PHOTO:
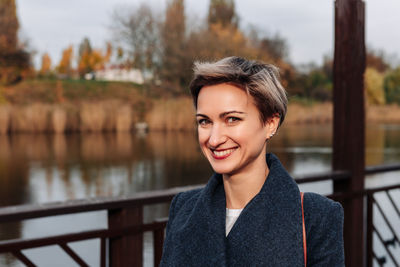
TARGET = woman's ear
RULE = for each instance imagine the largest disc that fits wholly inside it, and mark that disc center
(272, 125)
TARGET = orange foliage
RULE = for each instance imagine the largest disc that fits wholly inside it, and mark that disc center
(46, 64)
(92, 60)
(64, 66)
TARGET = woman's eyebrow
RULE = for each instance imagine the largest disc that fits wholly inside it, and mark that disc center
(201, 115)
(224, 114)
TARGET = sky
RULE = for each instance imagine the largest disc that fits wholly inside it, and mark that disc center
(307, 25)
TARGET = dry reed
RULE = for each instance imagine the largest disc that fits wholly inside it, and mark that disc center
(92, 117)
(33, 118)
(172, 114)
(165, 115)
(383, 114)
(58, 120)
(73, 120)
(123, 119)
(317, 113)
(4, 119)
(118, 116)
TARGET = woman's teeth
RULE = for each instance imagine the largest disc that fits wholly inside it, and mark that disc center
(223, 153)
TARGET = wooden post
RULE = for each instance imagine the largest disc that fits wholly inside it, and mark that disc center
(349, 120)
(126, 251)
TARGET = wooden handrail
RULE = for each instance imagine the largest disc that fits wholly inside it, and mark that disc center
(31, 211)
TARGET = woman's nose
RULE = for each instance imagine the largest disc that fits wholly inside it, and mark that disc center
(217, 136)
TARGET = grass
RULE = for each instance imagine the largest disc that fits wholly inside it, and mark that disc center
(45, 91)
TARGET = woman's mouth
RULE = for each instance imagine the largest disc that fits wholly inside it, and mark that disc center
(222, 154)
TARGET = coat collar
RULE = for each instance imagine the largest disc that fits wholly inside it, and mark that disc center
(267, 231)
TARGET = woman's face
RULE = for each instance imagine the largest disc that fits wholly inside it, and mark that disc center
(231, 135)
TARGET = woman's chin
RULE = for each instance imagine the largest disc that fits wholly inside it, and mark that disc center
(222, 169)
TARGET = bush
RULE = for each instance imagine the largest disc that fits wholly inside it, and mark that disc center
(392, 86)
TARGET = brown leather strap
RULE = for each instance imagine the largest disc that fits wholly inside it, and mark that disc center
(304, 231)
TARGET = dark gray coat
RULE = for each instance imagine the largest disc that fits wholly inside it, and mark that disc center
(268, 232)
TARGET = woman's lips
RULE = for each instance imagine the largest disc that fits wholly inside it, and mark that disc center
(222, 154)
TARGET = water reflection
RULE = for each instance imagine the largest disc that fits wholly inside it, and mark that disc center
(45, 168)
(42, 168)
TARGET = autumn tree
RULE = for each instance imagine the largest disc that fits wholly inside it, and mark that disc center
(14, 61)
(223, 12)
(376, 60)
(9, 25)
(139, 31)
(46, 65)
(374, 91)
(311, 81)
(90, 59)
(175, 63)
(64, 68)
(392, 86)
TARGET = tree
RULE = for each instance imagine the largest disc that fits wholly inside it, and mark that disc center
(14, 61)
(222, 12)
(8, 25)
(175, 63)
(313, 82)
(64, 67)
(392, 86)
(376, 59)
(46, 65)
(374, 90)
(139, 31)
(85, 47)
(91, 59)
(275, 47)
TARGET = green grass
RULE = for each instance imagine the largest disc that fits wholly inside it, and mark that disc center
(308, 102)
(45, 90)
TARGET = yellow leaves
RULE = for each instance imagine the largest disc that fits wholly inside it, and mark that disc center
(64, 67)
(93, 59)
(46, 64)
(374, 91)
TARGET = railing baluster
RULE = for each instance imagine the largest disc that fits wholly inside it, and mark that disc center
(393, 203)
(381, 260)
(386, 248)
(386, 220)
(19, 255)
(102, 252)
(370, 230)
(73, 255)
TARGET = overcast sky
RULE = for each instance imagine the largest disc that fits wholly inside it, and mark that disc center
(307, 25)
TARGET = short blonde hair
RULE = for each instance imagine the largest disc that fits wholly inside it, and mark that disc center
(258, 79)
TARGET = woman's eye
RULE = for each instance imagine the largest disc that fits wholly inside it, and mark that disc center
(203, 122)
(231, 120)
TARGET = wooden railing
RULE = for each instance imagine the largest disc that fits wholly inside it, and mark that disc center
(121, 243)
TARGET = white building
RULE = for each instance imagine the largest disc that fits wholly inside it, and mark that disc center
(117, 74)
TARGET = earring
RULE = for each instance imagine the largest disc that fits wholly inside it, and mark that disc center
(271, 135)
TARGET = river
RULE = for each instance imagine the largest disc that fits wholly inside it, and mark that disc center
(48, 168)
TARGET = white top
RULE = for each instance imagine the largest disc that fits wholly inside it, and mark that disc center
(231, 217)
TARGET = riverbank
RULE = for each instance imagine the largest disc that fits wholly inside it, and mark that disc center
(160, 115)
(86, 106)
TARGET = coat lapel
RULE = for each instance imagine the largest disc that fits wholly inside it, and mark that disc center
(202, 235)
(268, 232)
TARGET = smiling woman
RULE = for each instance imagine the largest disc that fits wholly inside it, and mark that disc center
(251, 212)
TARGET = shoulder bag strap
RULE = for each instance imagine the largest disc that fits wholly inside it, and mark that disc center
(304, 230)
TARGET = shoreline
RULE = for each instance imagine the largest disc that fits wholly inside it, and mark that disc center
(159, 115)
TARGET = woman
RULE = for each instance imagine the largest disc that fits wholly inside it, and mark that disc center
(250, 211)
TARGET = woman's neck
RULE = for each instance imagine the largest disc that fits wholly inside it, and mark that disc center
(242, 187)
